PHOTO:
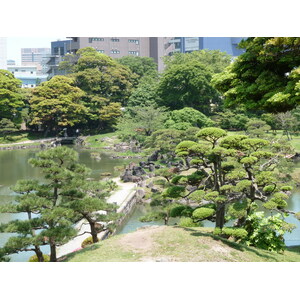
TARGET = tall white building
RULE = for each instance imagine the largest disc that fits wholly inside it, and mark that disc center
(3, 52)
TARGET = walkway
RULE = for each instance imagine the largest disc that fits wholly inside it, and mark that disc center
(119, 197)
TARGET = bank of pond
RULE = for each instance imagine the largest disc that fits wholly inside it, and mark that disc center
(14, 166)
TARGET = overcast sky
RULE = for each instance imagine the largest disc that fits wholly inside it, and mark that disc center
(14, 45)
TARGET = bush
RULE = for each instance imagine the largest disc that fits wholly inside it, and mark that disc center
(203, 213)
(187, 222)
(88, 241)
(34, 258)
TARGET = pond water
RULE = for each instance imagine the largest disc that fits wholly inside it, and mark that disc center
(14, 166)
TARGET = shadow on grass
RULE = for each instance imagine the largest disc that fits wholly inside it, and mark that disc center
(69, 256)
(236, 246)
(295, 249)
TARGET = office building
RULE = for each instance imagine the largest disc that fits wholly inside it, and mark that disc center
(189, 44)
(34, 57)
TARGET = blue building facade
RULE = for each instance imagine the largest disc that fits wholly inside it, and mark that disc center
(61, 47)
(224, 44)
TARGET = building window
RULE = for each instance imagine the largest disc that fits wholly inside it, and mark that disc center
(115, 51)
(133, 53)
(115, 40)
(96, 39)
(134, 41)
(100, 51)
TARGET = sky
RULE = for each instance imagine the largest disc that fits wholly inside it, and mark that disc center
(14, 45)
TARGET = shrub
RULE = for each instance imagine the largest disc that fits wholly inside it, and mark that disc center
(187, 222)
(238, 233)
(34, 258)
(88, 241)
(203, 213)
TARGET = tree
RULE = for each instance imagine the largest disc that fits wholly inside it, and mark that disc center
(10, 95)
(233, 174)
(52, 207)
(257, 128)
(140, 122)
(214, 60)
(145, 93)
(57, 103)
(187, 117)
(231, 120)
(265, 77)
(187, 85)
(7, 127)
(141, 66)
(29, 203)
(106, 83)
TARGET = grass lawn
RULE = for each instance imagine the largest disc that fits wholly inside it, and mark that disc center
(172, 243)
(94, 141)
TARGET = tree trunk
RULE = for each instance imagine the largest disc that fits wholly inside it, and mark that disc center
(52, 252)
(220, 215)
(39, 253)
(94, 232)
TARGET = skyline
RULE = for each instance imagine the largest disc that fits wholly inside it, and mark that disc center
(14, 45)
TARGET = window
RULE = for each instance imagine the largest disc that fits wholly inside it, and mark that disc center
(100, 51)
(134, 41)
(115, 51)
(96, 39)
(115, 40)
(133, 52)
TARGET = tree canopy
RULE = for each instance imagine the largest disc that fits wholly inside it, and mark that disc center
(56, 103)
(10, 95)
(265, 77)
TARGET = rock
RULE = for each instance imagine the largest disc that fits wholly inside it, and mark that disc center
(154, 190)
(153, 156)
(150, 185)
(140, 193)
(138, 171)
(151, 168)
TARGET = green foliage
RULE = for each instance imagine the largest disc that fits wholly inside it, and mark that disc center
(10, 95)
(211, 134)
(145, 93)
(187, 222)
(257, 128)
(174, 191)
(265, 77)
(203, 213)
(56, 103)
(88, 241)
(141, 66)
(238, 233)
(140, 122)
(187, 85)
(231, 120)
(187, 117)
(34, 258)
(267, 232)
(238, 209)
(7, 127)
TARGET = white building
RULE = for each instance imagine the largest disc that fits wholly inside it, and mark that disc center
(28, 75)
(3, 52)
